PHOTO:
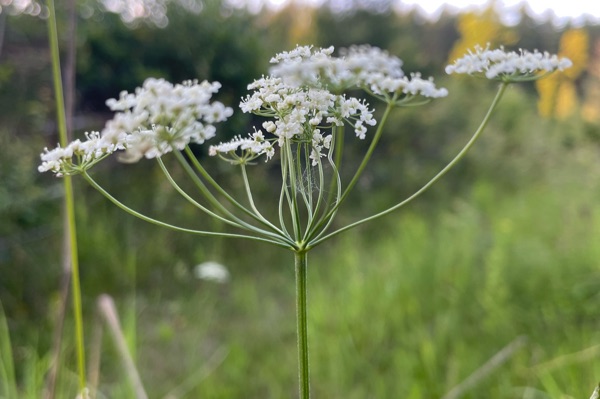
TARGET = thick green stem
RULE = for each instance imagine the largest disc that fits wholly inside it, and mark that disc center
(302, 324)
(69, 198)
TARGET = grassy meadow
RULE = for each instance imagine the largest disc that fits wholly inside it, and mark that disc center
(487, 286)
(405, 308)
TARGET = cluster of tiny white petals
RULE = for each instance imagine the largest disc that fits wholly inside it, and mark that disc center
(499, 64)
(165, 117)
(250, 147)
(358, 66)
(319, 143)
(158, 118)
(411, 86)
(298, 112)
(78, 155)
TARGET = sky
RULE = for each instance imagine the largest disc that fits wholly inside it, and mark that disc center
(562, 9)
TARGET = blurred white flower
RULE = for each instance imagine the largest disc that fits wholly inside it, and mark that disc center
(158, 118)
(162, 117)
(212, 271)
(508, 66)
(85, 394)
(363, 66)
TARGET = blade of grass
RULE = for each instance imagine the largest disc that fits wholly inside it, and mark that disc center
(69, 197)
(108, 311)
(8, 382)
(488, 367)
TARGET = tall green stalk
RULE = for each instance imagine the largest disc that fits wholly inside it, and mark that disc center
(69, 197)
(302, 324)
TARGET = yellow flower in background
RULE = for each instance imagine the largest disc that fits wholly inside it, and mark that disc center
(302, 27)
(574, 44)
(480, 28)
(557, 93)
(591, 106)
(566, 100)
(547, 89)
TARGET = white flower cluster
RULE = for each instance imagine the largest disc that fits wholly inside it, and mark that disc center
(162, 116)
(151, 122)
(251, 147)
(60, 160)
(509, 66)
(359, 66)
(297, 113)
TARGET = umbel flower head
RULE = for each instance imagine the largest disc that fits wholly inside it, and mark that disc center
(162, 117)
(365, 67)
(297, 114)
(80, 155)
(508, 66)
(304, 98)
(158, 118)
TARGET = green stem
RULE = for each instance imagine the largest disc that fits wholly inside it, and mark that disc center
(194, 161)
(292, 193)
(258, 214)
(236, 223)
(320, 227)
(148, 219)
(192, 201)
(437, 177)
(69, 198)
(337, 143)
(302, 324)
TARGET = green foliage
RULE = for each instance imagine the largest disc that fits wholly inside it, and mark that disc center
(504, 246)
(428, 297)
(8, 382)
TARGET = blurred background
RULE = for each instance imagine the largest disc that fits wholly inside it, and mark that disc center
(505, 249)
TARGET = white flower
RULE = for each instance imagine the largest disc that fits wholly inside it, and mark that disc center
(212, 271)
(84, 394)
(297, 113)
(318, 143)
(80, 155)
(158, 118)
(359, 66)
(162, 117)
(509, 66)
(251, 147)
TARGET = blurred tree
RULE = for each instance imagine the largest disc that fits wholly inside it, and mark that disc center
(481, 28)
(591, 106)
(216, 44)
(296, 22)
(558, 95)
(360, 26)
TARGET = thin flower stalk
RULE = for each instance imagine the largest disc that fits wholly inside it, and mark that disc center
(318, 230)
(248, 189)
(159, 223)
(437, 177)
(191, 200)
(198, 166)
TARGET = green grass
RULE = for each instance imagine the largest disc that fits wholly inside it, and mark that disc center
(408, 309)
(405, 309)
